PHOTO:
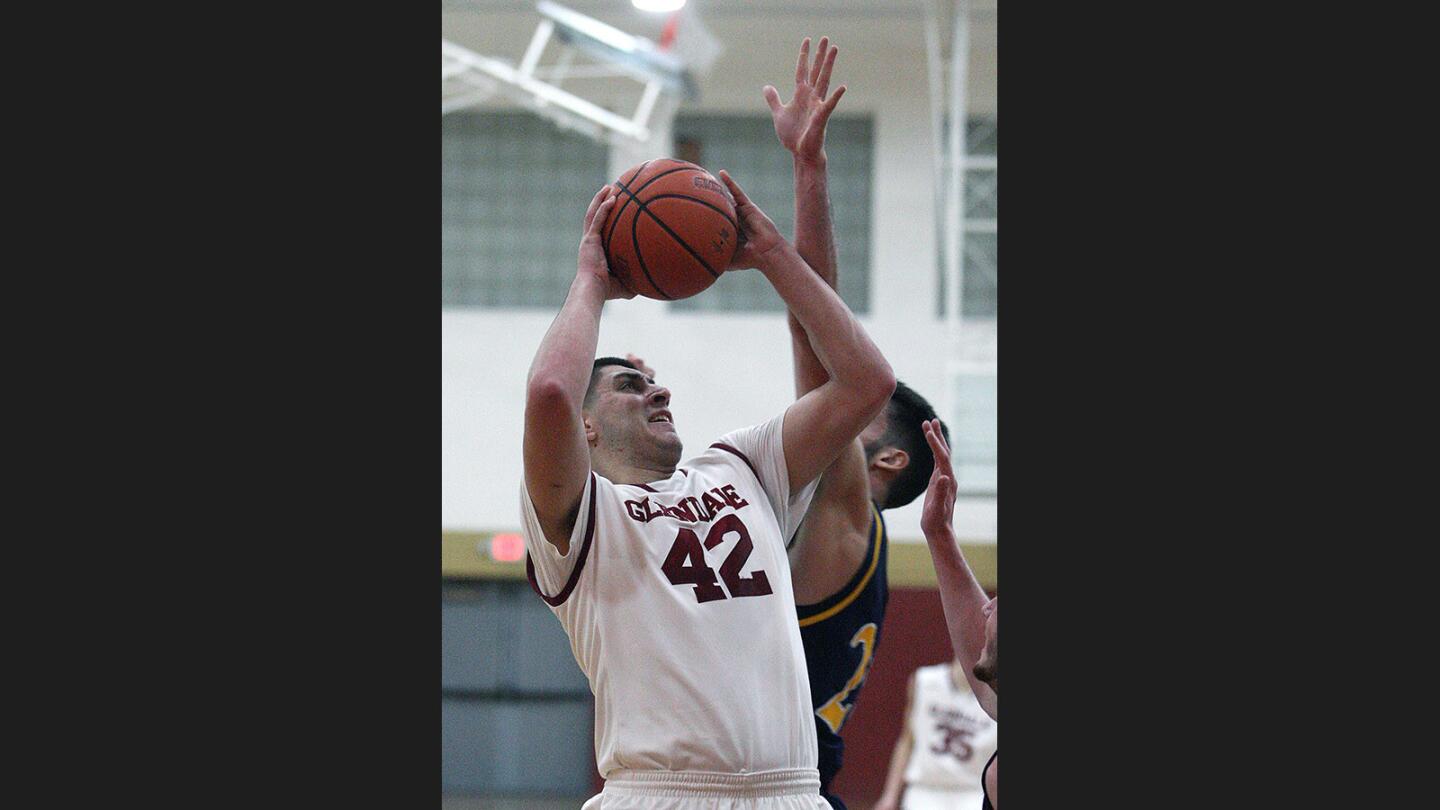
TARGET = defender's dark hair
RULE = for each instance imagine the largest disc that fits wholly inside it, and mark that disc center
(613, 361)
(905, 414)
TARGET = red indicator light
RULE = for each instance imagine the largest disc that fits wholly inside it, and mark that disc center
(507, 547)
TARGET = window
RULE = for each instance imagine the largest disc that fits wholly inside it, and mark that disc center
(513, 197)
(746, 147)
(980, 223)
(975, 449)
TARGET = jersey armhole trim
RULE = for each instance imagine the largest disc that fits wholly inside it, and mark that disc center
(743, 458)
(559, 599)
(876, 534)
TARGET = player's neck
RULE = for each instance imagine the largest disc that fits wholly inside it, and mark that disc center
(621, 472)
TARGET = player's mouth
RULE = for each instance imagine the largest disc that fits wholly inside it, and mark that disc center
(662, 418)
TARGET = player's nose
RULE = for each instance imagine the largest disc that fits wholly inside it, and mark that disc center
(660, 396)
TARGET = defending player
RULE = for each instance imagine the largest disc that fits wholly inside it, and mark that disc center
(838, 558)
(671, 578)
(972, 619)
(946, 741)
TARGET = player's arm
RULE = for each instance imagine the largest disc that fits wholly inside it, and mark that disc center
(826, 420)
(961, 596)
(800, 126)
(557, 456)
(843, 496)
(900, 758)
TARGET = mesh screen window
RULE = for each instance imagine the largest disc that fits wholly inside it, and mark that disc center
(513, 197)
(980, 222)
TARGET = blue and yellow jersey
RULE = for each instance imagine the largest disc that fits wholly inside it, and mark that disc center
(840, 635)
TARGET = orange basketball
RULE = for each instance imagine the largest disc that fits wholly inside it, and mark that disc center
(671, 230)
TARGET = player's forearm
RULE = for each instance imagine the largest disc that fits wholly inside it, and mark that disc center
(961, 597)
(814, 231)
(563, 362)
(815, 242)
(848, 355)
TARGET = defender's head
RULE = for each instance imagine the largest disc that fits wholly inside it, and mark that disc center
(896, 453)
(627, 416)
(987, 669)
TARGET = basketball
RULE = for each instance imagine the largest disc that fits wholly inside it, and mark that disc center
(671, 230)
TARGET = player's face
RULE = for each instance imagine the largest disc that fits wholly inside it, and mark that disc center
(631, 414)
(987, 668)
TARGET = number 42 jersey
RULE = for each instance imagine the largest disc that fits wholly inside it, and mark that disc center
(677, 600)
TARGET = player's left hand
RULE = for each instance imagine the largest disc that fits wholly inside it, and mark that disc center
(758, 234)
(640, 365)
(939, 510)
(800, 124)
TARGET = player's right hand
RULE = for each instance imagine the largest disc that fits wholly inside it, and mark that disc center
(758, 234)
(592, 249)
(939, 511)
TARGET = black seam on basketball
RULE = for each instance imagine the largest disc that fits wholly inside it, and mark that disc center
(605, 237)
(675, 236)
(627, 190)
(715, 208)
(640, 254)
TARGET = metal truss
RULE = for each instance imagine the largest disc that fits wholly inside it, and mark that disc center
(468, 78)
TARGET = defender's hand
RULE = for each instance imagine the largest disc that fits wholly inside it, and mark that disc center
(939, 509)
(800, 124)
(640, 364)
(592, 250)
(758, 234)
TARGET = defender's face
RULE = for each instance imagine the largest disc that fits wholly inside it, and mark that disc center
(872, 434)
(631, 413)
(987, 668)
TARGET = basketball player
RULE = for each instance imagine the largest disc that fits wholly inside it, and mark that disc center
(943, 748)
(671, 578)
(972, 619)
(838, 557)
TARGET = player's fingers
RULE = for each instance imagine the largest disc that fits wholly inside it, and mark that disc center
(772, 97)
(829, 105)
(594, 205)
(598, 220)
(803, 65)
(822, 85)
(740, 198)
(936, 440)
(819, 60)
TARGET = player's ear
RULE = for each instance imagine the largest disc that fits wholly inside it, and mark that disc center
(891, 459)
(591, 436)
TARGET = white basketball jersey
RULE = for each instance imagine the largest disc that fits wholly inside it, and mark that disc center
(953, 736)
(676, 597)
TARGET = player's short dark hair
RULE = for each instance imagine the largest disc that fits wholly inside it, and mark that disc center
(595, 375)
(904, 418)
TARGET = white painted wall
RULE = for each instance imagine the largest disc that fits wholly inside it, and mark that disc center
(729, 370)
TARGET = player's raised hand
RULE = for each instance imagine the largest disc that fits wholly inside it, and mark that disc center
(939, 509)
(800, 124)
(758, 234)
(592, 249)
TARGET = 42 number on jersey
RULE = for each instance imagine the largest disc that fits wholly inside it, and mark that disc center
(688, 549)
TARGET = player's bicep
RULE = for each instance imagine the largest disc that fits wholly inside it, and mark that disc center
(557, 461)
(818, 426)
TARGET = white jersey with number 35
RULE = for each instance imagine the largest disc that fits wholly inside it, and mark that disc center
(953, 736)
(676, 597)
